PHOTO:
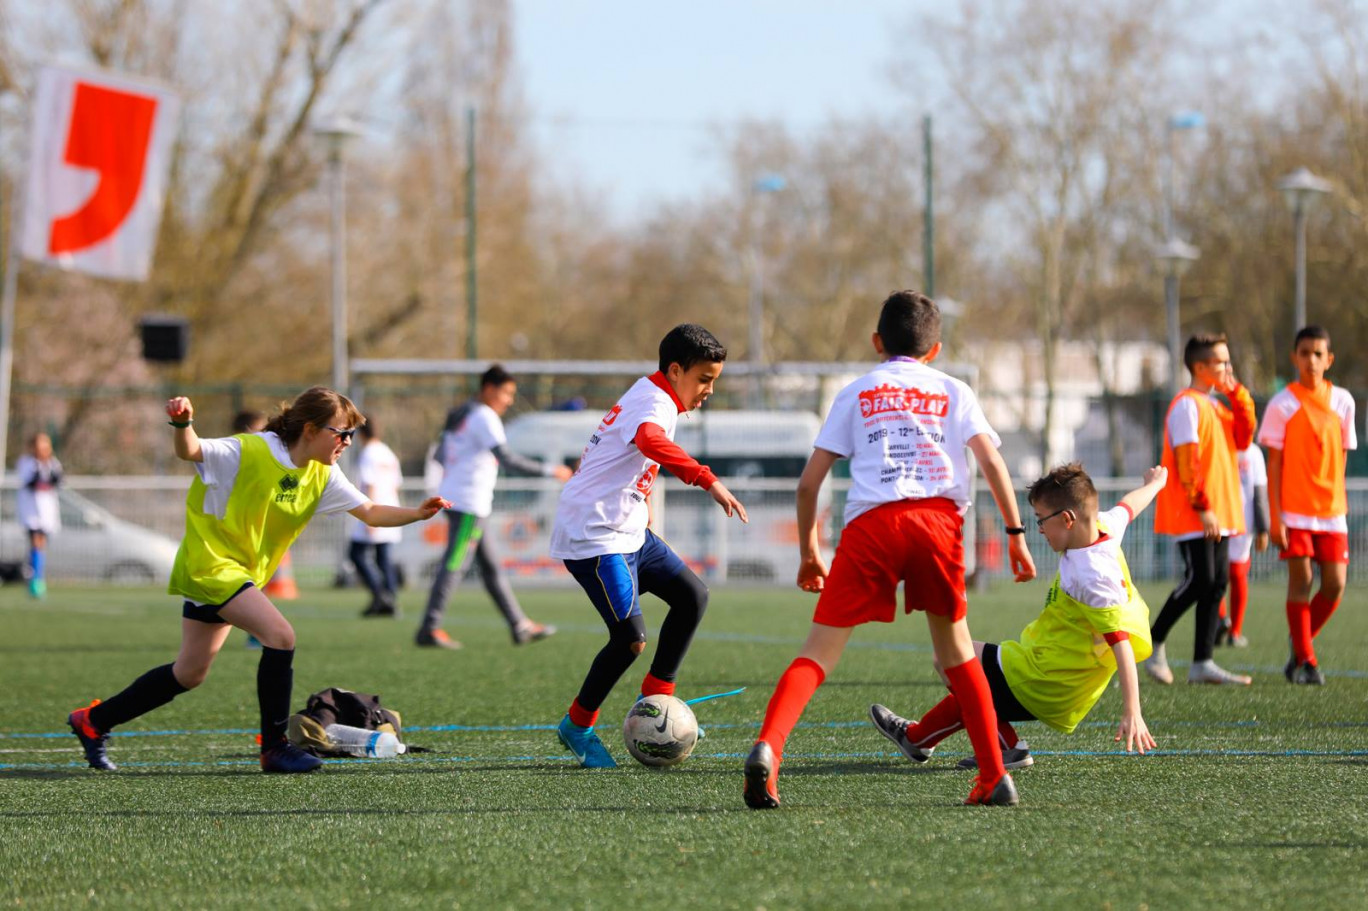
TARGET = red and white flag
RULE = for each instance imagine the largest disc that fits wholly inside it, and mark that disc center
(97, 171)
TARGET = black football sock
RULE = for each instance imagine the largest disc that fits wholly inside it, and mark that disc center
(150, 691)
(611, 662)
(687, 597)
(275, 680)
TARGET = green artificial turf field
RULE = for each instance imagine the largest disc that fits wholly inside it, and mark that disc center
(1257, 797)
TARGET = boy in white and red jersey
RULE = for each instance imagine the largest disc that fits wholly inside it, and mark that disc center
(601, 530)
(904, 426)
(1308, 429)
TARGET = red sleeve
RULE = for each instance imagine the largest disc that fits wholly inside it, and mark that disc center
(1242, 410)
(1118, 636)
(655, 445)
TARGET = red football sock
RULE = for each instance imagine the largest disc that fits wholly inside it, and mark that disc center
(1299, 625)
(936, 725)
(1239, 596)
(581, 716)
(1007, 735)
(970, 687)
(1221, 609)
(791, 696)
(654, 686)
(1321, 609)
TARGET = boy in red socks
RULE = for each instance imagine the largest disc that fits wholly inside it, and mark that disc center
(602, 533)
(1307, 429)
(1058, 669)
(904, 426)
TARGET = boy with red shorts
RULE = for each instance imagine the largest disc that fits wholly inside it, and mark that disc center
(904, 427)
(1307, 429)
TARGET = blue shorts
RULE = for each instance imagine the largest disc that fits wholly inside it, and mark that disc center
(614, 582)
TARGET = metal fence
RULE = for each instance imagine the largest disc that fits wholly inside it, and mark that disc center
(125, 529)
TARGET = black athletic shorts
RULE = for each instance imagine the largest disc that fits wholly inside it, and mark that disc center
(1004, 700)
(208, 613)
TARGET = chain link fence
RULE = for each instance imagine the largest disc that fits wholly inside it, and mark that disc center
(125, 529)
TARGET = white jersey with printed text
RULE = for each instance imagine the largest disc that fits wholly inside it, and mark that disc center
(602, 508)
(904, 427)
(469, 466)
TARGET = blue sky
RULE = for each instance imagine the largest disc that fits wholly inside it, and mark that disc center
(622, 93)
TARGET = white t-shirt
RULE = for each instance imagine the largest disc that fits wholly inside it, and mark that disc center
(602, 508)
(1253, 474)
(904, 427)
(1273, 434)
(1092, 574)
(469, 466)
(1182, 431)
(38, 506)
(223, 458)
(378, 475)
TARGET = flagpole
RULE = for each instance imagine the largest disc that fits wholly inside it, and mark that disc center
(11, 287)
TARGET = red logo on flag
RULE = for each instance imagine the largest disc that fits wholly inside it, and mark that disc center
(109, 134)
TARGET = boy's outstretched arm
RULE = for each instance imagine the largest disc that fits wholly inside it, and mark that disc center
(812, 569)
(1000, 483)
(1155, 478)
(652, 442)
(1132, 729)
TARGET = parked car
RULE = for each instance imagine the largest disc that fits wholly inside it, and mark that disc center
(94, 545)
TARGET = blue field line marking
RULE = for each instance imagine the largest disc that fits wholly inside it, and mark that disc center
(562, 758)
(515, 728)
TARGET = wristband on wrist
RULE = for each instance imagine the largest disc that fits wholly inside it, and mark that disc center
(1015, 529)
(181, 424)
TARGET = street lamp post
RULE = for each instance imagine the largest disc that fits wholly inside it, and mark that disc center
(766, 183)
(336, 133)
(1175, 256)
(1301, 189)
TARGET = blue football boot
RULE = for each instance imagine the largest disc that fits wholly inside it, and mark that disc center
(585, 744)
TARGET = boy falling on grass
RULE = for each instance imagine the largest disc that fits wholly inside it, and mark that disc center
(904, 426)
(601, 530)
(1308, 429)
(1095, 624)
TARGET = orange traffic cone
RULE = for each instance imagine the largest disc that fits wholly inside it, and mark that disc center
(282, 585)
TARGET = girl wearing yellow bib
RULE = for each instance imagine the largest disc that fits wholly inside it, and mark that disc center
(251, 497)
(1094, 625)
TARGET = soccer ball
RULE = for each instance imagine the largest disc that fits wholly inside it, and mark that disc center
(660, 730)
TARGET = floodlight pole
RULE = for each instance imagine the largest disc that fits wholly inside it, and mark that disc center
(928, 213)
(336, 133)
(764, 184)
(1301, 189)
(472, 285)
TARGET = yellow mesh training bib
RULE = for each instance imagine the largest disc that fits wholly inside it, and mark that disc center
(269, 506)
(1062, 664)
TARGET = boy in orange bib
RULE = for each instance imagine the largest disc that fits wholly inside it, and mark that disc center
(1307, 429)
(1201, 506)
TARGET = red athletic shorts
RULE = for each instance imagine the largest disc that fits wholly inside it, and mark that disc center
(1321, 546)
(919, 542)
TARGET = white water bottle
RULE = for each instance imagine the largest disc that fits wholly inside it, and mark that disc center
(361, 742)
